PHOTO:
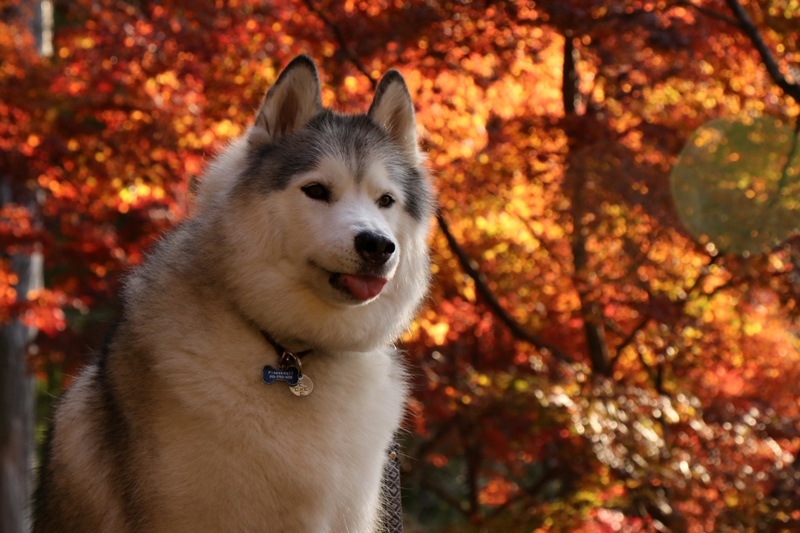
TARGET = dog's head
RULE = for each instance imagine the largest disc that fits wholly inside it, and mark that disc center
(323, 216)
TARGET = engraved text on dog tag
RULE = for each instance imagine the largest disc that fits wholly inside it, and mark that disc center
(303, 387)
(290, 375)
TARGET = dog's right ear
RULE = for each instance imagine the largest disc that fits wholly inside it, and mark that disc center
(289, 104)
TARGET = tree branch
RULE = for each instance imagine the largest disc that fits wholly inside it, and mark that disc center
(532, 491)
(570, 91)
(427, 445)
(542, 242)
(789, 158)
(710, 13)
(337, 33)
(703, 275)
(627, 340)
(517, 330)
(594, 330)
(472, 458)
(750, 29)
(445, 496)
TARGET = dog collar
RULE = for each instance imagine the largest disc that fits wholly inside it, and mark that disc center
(290, 368)
(279, 348)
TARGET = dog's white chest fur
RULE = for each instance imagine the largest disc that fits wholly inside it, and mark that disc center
(260, 457)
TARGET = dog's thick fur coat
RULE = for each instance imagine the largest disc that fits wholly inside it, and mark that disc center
(172, 429)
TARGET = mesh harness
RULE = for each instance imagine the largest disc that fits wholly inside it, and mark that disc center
(392, 517)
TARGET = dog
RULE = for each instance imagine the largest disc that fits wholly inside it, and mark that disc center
(251, 383)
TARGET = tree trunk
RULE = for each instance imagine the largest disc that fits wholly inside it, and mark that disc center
(591, 314)
(16, 405)
(16, 383)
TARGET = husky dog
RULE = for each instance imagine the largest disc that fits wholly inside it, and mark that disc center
(310, 234)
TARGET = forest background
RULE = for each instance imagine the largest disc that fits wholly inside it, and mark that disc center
(611, 342)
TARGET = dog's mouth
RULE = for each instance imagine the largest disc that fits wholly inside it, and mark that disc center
(361, 287)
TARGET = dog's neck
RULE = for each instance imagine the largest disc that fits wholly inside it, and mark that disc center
(279, 349)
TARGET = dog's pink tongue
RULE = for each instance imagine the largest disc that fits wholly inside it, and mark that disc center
(363, 287)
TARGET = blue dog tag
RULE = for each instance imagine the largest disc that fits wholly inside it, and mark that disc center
(290, 375)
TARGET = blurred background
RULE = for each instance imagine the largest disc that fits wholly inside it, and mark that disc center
(611, 341)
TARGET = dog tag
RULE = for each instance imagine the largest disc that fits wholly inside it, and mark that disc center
(290, 375)
(303, 387)
(291, 371)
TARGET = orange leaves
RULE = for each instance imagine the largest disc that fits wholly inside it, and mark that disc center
(8, 293)
(16, 226)
(43, 311)
(432, 326)
(39, 308)
(138, 194)
(569, 219)
(497, 491)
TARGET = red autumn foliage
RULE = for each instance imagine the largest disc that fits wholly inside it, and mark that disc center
(583, 363)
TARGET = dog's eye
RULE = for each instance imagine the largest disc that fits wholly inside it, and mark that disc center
(317, 191)
(385, 201)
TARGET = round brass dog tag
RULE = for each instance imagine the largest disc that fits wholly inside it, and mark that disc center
(303, 387)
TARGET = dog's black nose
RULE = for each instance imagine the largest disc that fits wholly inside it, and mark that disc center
(374, 248)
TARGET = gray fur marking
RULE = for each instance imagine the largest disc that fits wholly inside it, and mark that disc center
(271, 166)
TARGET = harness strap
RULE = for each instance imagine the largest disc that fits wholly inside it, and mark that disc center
(392, 519)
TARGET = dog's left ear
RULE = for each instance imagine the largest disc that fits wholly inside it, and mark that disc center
(289, 104)
(392, 109)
